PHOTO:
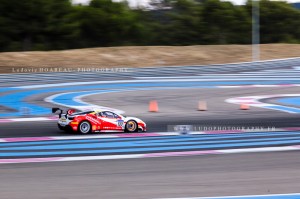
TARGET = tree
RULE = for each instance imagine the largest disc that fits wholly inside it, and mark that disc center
(279, 22)
(225, 23)
(108, 23)
(57, 24)
(35, 24)
(60, 30)
(186, 23)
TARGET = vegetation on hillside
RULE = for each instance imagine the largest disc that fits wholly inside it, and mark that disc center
(57, 24)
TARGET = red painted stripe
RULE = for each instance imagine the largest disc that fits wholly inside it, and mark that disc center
(27, 139)
(139, 135)
(5, 120)
(26, 160)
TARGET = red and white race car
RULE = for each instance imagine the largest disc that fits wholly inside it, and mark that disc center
(97, 121)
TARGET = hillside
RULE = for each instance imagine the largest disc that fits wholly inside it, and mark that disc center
(145, 56)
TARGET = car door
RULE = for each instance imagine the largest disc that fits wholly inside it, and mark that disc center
(111, 121)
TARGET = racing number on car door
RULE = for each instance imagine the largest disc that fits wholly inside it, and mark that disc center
(120, 122)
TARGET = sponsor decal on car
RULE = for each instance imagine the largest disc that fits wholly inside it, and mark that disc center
(92, 119)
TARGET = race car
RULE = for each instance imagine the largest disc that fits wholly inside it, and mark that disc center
(93, 121)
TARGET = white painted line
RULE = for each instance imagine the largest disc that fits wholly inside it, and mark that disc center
(273, 71)
(260, 86)
(31, 119)
(244, 196)
(264, 86)
(78, 99)
(253, 150)
(296, 67)
(104, 157)
(254, 101)
(85, 106)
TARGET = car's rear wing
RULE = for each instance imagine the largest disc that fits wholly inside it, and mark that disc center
(54, 110)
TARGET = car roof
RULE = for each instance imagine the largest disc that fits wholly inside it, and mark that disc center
(101, 110)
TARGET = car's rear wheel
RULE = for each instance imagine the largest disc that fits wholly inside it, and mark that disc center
(84, 127)
(67, 129)
(131, 126)
(60, 127)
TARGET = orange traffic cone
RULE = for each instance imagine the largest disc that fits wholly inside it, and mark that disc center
(202, 106)
(244, 107)
(153, 106)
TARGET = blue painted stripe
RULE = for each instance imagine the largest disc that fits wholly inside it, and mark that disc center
(157, 139)
(6, 89)
(147, 150)
(284, 108)
(295, 101)
(104, 145)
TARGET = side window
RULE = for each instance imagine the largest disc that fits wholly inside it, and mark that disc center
(116, 116)
(108, 114)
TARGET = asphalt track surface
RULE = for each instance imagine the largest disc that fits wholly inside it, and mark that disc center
(191, 176)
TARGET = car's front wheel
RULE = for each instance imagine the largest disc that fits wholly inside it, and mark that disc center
(131, 126)
(84, 127)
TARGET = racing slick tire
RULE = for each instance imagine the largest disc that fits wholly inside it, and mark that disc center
(60, 127)
(131, 126)
(67, 129)
(84, 127)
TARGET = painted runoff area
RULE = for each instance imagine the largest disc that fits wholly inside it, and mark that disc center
(290, 99)
(293, 101)
(73, 99)
(17, 99)
(148, 145)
